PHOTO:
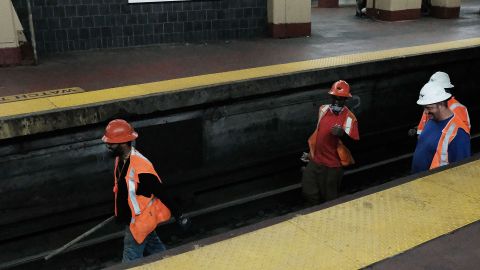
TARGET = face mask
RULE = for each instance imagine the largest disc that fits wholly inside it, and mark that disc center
(336, 108)
(114, 151)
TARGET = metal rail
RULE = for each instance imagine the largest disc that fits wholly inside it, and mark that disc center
(74, 241)
(117, 235)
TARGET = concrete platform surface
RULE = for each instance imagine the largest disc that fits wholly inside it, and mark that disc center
(334, 32)
(424, 221)
(457, 250)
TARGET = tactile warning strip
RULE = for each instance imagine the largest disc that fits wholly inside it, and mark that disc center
(351, 235)
(182, 84)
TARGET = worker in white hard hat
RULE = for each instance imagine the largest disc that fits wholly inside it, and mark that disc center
(445, 138)
(454, 105)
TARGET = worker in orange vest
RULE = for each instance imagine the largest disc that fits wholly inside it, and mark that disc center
(323, 173)
(454, 105)
(138, 190)
(445, 138)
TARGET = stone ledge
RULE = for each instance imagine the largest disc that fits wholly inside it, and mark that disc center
(54, 120)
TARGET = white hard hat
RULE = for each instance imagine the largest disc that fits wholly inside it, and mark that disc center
(441, 78)
(431, 93)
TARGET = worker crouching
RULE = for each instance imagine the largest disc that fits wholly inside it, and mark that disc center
(323, 174)
(138, 190)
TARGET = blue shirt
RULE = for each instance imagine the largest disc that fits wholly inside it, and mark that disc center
(458, 149)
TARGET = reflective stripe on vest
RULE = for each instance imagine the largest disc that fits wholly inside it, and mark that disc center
(457, 108)
(348, 125)
(132, 220)
(456, 105)
(147, 212)
(422, 123)
(322, 112)
(444, 143)
(138, 154)
(132, 192)
(131, 181)
(448, 135)
(468, 119)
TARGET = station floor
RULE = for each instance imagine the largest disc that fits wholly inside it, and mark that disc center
(425, 221)
(335, 32)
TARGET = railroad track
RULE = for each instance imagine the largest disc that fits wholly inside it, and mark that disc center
(104, 250)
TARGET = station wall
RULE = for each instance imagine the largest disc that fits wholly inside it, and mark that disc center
(67, 25)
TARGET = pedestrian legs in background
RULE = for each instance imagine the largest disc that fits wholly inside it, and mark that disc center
(132, 250)
(426, 5)
(361, 8)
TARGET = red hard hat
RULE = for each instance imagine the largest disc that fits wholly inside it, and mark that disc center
(340, 89)
(119, 131)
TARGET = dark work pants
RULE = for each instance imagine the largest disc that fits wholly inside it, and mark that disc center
(320, 183)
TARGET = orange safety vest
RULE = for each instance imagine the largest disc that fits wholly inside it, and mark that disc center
(448, 134)
(344, 154)
(457, 108)
(147, 213)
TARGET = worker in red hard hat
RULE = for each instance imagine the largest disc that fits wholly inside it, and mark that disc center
(139, 193)
(328, 155)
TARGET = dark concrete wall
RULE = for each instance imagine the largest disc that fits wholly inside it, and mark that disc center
(67, 25)
(205, 139)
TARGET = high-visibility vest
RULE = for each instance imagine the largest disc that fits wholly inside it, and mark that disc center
(147, 213)
(448, 134)
(457, 108)
(344, 154)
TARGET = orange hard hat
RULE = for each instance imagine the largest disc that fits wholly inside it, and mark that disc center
(340, 89)
(119, 131)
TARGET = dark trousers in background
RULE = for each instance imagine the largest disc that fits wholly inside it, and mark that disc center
(360, 5)
(320, 183)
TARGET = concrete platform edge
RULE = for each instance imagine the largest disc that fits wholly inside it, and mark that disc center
(133, 108)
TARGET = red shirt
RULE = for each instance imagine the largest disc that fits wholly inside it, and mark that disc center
(326, 146)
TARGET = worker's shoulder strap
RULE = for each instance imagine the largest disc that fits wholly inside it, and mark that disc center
(350, 114)
(456, 122)
(322, 111)
(142, 164)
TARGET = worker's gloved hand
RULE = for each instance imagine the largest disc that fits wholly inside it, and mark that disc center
(412, 132)
(305, 157)
(184, 222)
(337, 131)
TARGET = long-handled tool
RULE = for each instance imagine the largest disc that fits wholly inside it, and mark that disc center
(69, 244)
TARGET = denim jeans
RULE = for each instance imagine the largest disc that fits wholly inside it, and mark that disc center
(132, 250)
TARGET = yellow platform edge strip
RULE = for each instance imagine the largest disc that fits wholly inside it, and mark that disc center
(182, 84)
(351, 235)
